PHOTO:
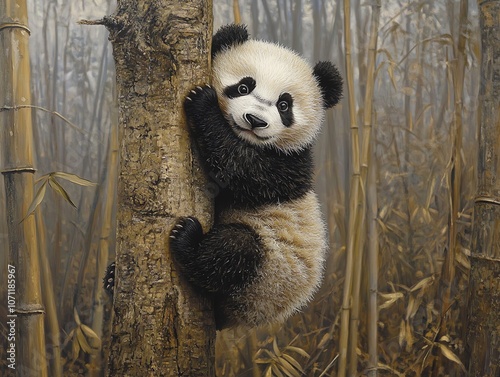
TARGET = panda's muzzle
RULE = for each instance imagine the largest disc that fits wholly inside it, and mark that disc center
(255, 122)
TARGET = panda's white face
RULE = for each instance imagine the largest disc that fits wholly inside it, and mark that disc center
(269, 95)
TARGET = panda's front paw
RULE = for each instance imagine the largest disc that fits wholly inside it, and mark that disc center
(184, 239)
(200, 100)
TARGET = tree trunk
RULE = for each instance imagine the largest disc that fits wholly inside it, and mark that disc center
(26, 347)
(483, 335)
(161, 327)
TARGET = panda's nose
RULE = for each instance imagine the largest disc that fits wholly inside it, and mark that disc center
(255, 122)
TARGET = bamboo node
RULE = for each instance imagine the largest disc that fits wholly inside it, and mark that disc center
(19, 169)
(14, 25)
(29, 310)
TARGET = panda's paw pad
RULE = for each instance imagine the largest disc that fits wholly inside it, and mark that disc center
(185, 234)
(109, 279)
(200, 95)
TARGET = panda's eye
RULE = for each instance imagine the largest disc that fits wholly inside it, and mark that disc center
(243, 89)
(283, 106)
(240, 89)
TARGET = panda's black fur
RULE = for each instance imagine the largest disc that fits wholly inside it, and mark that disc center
(259, 184)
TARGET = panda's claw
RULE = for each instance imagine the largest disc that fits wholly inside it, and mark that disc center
(109, 279)
(200, 100)
(185, 236)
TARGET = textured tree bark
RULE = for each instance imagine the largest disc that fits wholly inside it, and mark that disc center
(483, 335)
(160, 327)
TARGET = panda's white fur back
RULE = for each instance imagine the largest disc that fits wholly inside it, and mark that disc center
(294, 240)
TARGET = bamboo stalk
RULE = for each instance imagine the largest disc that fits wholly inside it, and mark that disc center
(455, 175)
(49, 300)
(236, 12)
(352, 356)
(368, 165)
(25, 309)
(403, 164)
(373, 250)
(365, 159)
(354, 207)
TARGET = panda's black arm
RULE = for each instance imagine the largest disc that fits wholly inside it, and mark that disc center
(208, 126)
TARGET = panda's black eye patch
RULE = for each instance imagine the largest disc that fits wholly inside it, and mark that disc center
(244, 87)
(285, 105)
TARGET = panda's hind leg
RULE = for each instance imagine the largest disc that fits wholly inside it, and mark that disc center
(222, 261)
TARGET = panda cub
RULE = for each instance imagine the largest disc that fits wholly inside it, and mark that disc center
(254, 128)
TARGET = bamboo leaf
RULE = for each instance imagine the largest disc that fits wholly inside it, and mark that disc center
(76, 316)
(409, 336)
(42, 178)
(402, 333)
(82, 340)
(445, 338)
(430, 192)
(68, 338)
(276, 348)
(269, 372)
(60, 190)
(426, 215)
(450, 355)
(462, 259)
(301, 352)
(267, 352)
(391, 299)
(73, 178)
(92, 335)
(75, 349)
(40, 194)
(294, 362)
(288, 368)
(424, 283)
(388, 368)
(276, 370)
(413, 305)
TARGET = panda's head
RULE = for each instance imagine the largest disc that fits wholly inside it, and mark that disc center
(268, 93)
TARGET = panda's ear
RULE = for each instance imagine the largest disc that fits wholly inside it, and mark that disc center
(330, 82)
(227, 36)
